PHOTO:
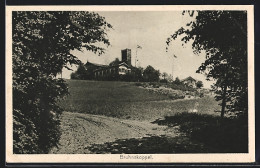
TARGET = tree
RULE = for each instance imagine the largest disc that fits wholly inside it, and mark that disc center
(42, 42)
(223, 36)
(150, 74)
(199, 84)
(177, 81)
(165, 77)
(81, 73)
(138, 73)
(84, 72)
(115, 62)
(169, 78)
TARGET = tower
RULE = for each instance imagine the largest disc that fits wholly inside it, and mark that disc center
(126, 56)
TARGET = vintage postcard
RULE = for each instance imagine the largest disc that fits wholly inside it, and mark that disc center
(124, 84)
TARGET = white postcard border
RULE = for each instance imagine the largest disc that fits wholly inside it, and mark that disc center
(115, 158)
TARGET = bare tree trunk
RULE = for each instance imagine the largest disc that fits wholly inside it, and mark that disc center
(223, 105)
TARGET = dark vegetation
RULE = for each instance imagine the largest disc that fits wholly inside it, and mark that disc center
(84, 73)
(42, 42)
(223, 37)
(152, 144)
(219, 135)
(150, 74)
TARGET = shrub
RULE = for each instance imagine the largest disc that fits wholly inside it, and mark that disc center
(150, 74)
(138, 84)
(163, 81)
(155, 84)
(176, 96)
(220, 135)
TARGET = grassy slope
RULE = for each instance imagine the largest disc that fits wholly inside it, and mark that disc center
(125, 100)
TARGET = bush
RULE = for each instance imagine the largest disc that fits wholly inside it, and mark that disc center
(182, 87)
(220, 135)
(176, 96)
(150, 74)
(201, 95)
(36, 115)
(163, 81)
(138, 84)
(155, 84)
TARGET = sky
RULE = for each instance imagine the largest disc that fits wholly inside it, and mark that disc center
(149, 30)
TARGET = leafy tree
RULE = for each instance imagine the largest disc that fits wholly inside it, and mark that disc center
(115, 62)
(138, 73)
(199, 84)
(164, 75)
(84, 72)
(223, 36)
(150, 74)
(81, 73)
(177, 81)
(169, 78)
(42, 42)
(74, 75)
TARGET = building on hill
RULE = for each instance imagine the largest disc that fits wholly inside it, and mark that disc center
(111, 72)
(191, 82)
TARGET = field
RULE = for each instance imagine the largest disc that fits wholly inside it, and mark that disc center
(120, 117)
(127, 101)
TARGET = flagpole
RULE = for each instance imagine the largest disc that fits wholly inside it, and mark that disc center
(135, 56)
(136, 53)
(174, 56)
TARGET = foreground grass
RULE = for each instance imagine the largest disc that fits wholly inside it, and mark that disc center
(203, 132)
(125, 100)
(228, 135)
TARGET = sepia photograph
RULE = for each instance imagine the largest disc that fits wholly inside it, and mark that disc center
(142, 84)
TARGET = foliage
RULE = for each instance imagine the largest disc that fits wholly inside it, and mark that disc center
(199, 84)
(164, 75)
(181, 86)
(115, 62)
(80, 73)
(165, 78)
(177, 81)
(223, 37)
(138, 73)
(42, 42)
(150, 74)
(228, 135)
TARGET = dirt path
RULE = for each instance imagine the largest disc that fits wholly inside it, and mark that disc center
(81, 130)
(85, 133)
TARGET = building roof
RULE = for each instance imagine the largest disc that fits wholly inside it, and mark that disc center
(123, 63)
(95, 64)
(107, 66)
(189, 79)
